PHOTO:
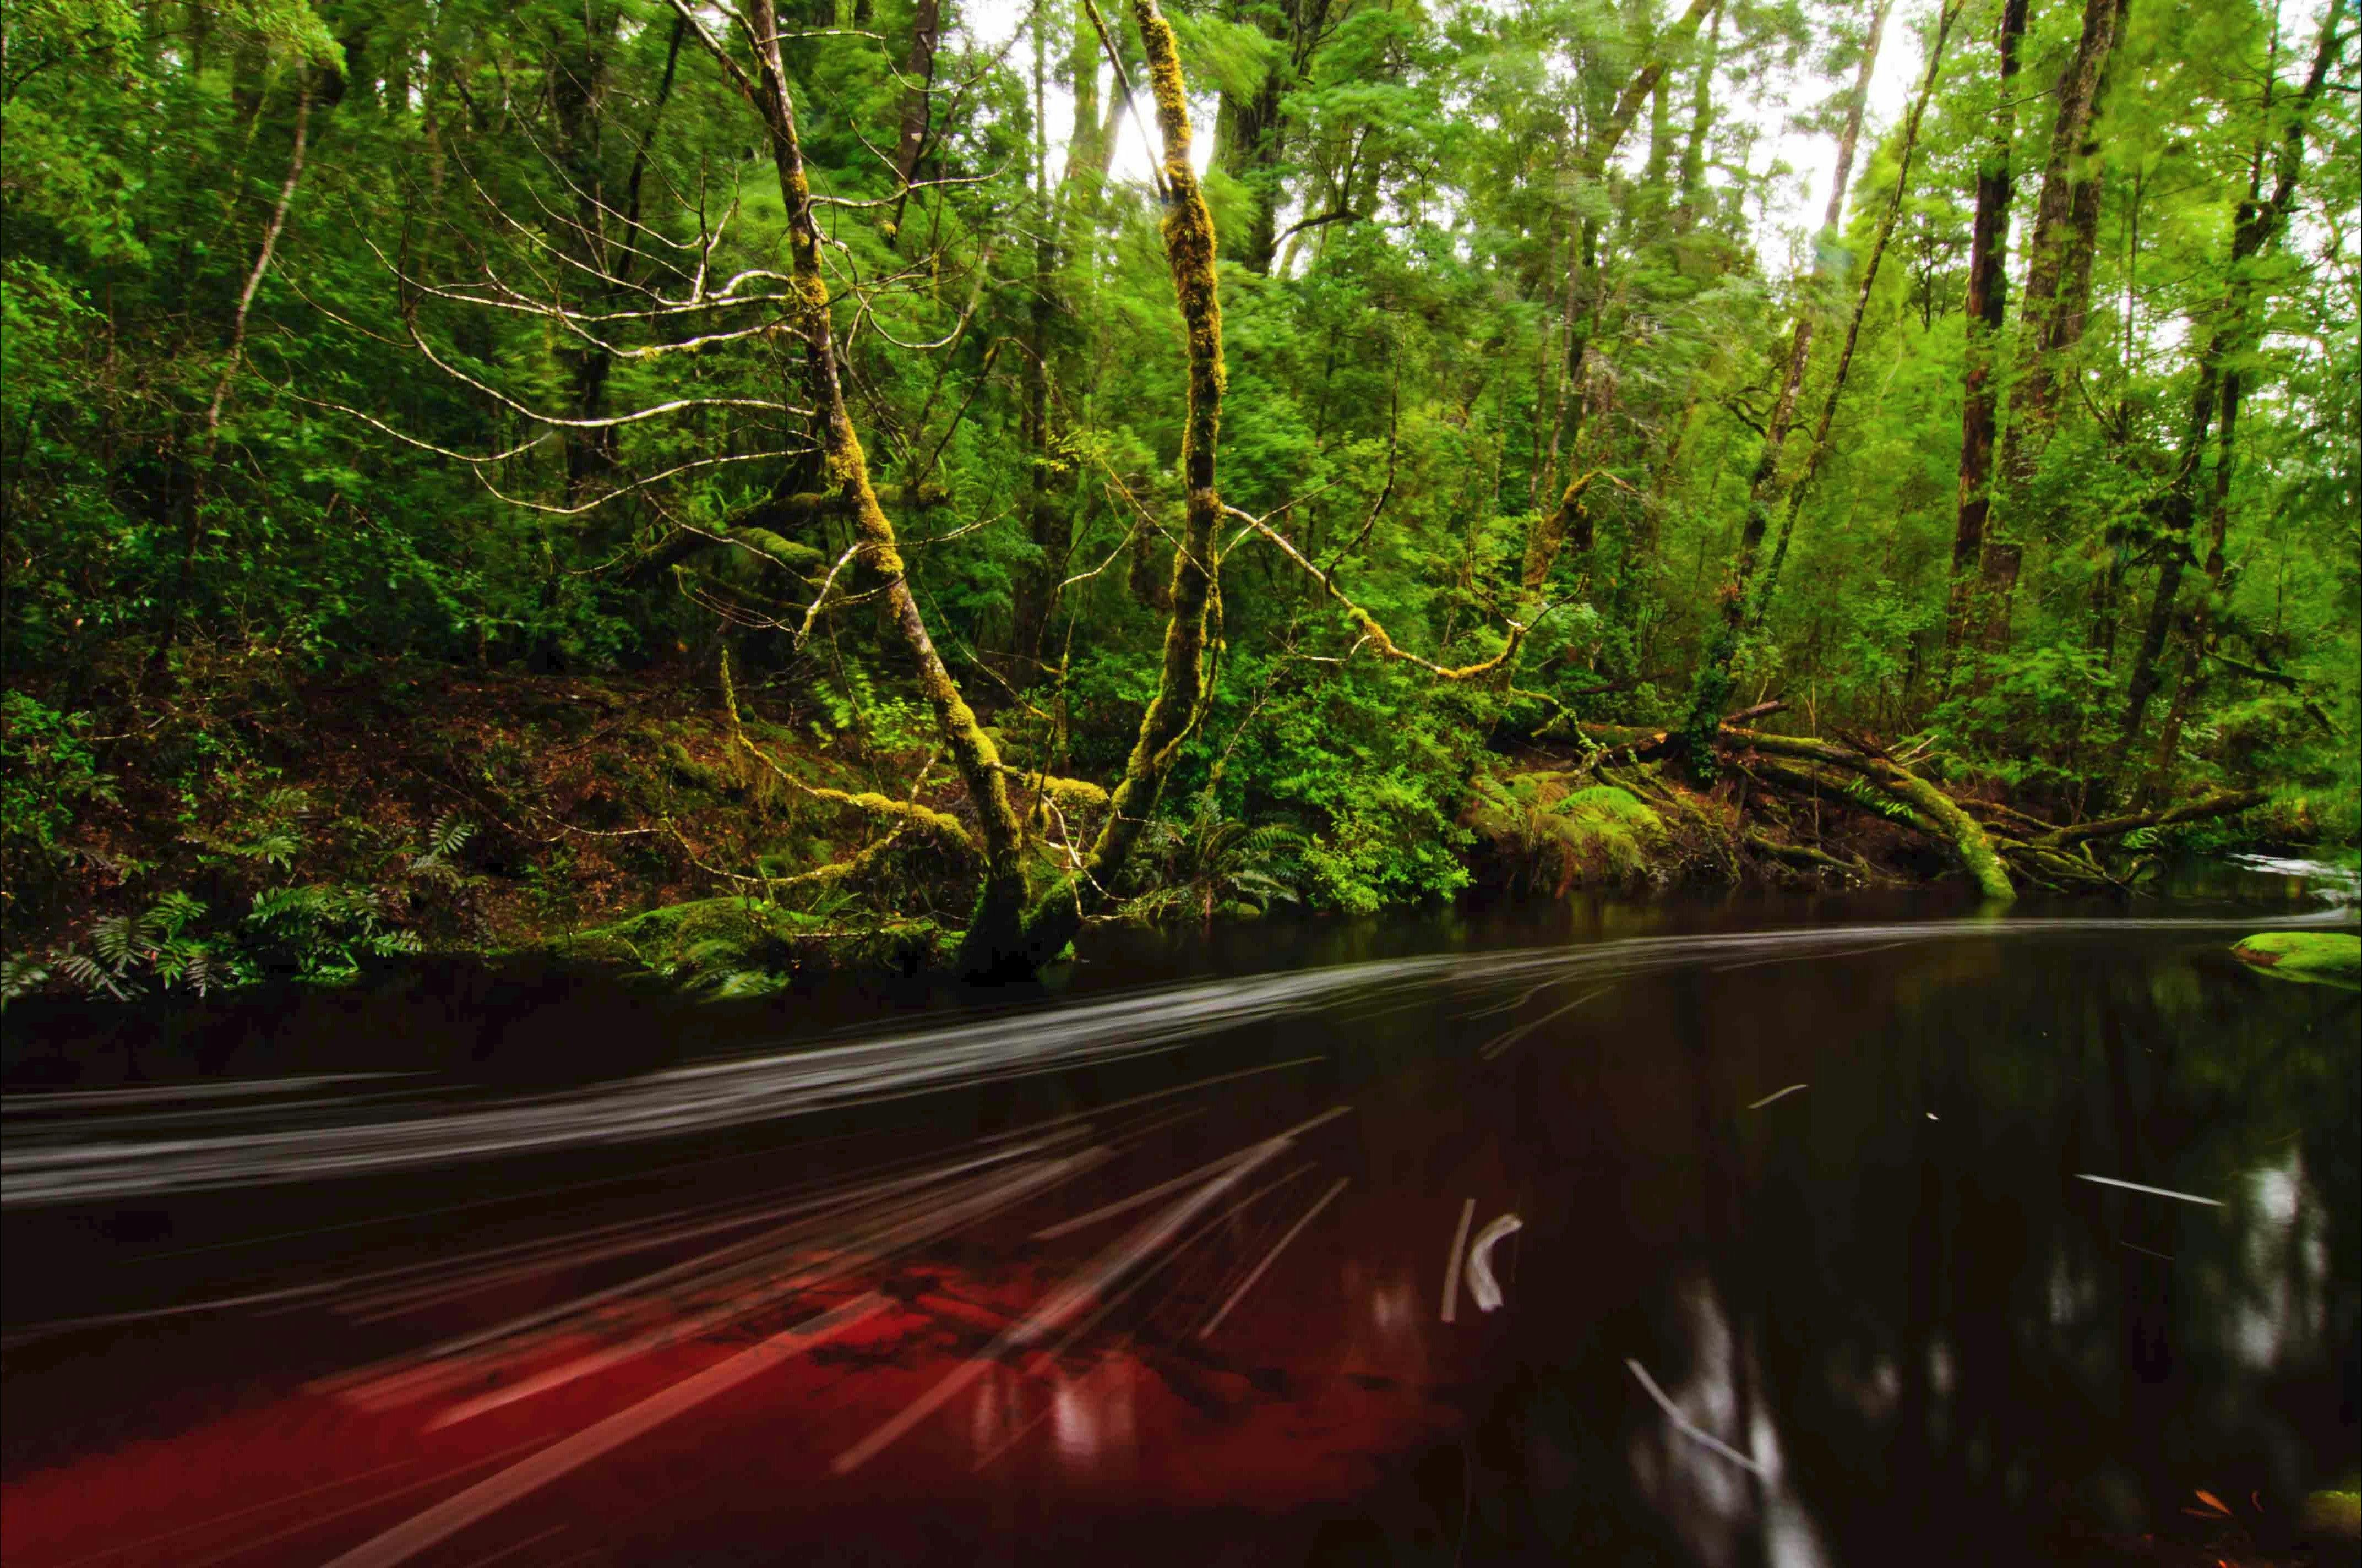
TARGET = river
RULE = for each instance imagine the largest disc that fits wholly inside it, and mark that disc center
(1849, 1230)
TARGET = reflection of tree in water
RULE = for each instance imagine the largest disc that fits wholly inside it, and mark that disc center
(1901, 1302)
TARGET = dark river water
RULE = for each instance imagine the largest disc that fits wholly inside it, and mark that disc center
(1848, 1230)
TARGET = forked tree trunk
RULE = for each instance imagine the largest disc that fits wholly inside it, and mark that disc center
(1182, 684)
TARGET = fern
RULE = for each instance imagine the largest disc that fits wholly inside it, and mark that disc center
(433, 862)
(21, 974)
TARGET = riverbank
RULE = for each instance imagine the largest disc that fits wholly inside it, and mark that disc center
(274, 827)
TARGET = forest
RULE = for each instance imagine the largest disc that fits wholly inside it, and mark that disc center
(735, 487)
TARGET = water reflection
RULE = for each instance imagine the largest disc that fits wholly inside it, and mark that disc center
(1807, 1269)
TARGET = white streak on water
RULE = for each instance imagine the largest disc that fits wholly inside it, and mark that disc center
(1483, 1288)
(1683, 1425)
(1062, 1304)
(446, 1518)
(2156, 1191)
(46, 1159)
(1272, 1256)
(1451, 1260)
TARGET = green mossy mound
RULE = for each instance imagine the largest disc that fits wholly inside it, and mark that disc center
(2322, 957)
(737, 946)
(1558, 833)
(2333, 1514)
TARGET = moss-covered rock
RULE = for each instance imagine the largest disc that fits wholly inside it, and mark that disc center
(2323, 957)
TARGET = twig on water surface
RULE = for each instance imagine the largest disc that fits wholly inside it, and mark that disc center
(1682, 1423)
(1452, 1262)
(2156, 1191)
(1483, 1288)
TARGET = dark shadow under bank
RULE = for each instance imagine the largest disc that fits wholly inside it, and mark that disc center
(509, 1022)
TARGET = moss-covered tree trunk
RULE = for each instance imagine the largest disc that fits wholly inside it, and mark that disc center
(1182, 683)
(972, 750)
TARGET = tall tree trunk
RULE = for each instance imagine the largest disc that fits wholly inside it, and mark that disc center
(1247, 141)
(2066, 229)
(1819, 451)
(1550, 530)
(1983, 310)
(1692, 199)
(577, 91)
(2202, 629)
(1049, 521)
(2257, 229)
(202, 471)
(1656, 194)
(1857, 102)
(1712, 690)
(1050, 496)
(1183, 686)
(972, 750)
(918, 95)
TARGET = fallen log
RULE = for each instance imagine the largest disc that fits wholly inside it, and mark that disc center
(1639, 740)
(1803, 856)
(2223, 803)
(1943, 817)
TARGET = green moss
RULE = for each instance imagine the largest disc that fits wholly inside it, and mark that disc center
(741, 947)
(687, 771)
(2337, 1514)
(2321, 957)
(795, 556)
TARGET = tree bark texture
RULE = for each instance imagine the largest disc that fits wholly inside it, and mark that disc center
(2066, 228)
(1983, 311)
(1183, 685)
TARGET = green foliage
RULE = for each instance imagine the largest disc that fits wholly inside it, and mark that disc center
(426, 423)
(1388, 841)
(129, 952)
(738, 946)
(317, 932)
(1209, 865)
(1566, 832)
(47, 766)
